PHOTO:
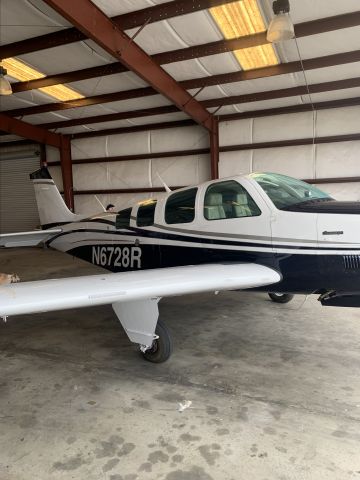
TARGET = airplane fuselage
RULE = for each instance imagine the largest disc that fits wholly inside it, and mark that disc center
(314, 244)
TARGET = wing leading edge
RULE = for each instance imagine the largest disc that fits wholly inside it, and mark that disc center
(76, 292)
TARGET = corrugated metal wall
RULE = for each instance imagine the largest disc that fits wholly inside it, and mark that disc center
(18, 210)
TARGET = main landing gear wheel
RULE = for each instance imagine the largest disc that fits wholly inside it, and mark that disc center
(161, 348)
(281, 297)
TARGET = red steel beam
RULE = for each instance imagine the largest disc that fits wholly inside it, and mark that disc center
(221, 46)
(346, 102)
(305, 107)
(214, 149)
(31, 132)
(88, 18)
(136, 128)
(126, 21)
(214, 102)
(221, 79)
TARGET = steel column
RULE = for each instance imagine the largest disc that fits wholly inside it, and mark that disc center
(66, 170)
(214, 148)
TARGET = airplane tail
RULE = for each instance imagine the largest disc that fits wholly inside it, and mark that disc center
(52, 208)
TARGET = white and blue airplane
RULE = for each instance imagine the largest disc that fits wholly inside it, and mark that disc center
(262, 231)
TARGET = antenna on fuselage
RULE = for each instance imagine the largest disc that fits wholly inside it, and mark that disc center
(102, 206)
(164, 184)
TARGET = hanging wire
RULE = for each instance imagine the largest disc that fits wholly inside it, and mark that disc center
(312, 106)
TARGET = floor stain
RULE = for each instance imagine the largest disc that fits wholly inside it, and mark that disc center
(158, 456)
(126, 449)
(208, 453)
(110, 464)
(109, 447)
(72, 463)
(188, 438)
(196, 473)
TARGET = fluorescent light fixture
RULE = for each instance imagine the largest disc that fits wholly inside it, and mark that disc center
(23, 72)
(281, 27)
(239, 19)
(5, 86)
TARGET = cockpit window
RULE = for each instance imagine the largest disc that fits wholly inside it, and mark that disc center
(228, 199)
(286, 192)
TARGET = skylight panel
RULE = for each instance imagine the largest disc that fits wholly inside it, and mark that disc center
(239, 19)
(23, 72)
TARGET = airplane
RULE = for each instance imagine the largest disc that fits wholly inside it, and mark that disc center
(262, 232)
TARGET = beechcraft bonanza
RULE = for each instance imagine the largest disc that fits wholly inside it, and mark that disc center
(261, 231)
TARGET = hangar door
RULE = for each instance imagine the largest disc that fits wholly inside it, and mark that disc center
(18, 210)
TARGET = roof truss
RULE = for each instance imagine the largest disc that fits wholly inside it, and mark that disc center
(302, 29)
(215, 102)
(88, 18)
(124, 22)
(285, 68)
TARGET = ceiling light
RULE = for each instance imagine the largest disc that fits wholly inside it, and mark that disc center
(5, 86)
(23, 72)
(239, 19)
(281, 27)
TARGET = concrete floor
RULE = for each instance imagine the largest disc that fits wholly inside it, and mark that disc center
(275, 390)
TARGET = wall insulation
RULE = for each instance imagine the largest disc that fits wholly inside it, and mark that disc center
(177, 171)
(325, 160)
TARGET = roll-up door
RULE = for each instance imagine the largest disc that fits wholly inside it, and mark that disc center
(18, 210)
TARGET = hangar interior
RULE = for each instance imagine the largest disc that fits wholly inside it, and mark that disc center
(108, 135)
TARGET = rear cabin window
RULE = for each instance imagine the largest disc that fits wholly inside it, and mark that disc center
(180, 207)
(228, 200)
(146, 214)
(123, 218)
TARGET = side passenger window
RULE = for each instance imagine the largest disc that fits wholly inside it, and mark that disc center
(180, 207)
(146, 214)
(228, 200)
(123, 218)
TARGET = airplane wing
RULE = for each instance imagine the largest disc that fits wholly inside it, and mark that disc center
(27, 239)
(133, 295)
(86, 291)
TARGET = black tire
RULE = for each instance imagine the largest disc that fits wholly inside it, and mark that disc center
(161, 348)
(281, 297)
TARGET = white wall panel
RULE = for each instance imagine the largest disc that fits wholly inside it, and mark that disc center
(111, 175)
(236, 132)
(283, 127)
(181, 171)
(342, 191)
(339, 121)
(129, 144)
(235, 163)
(294, 161)
(186, 138)
(88, 147)
(338, 159)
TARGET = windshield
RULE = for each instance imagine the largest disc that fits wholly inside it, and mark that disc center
(286, 191)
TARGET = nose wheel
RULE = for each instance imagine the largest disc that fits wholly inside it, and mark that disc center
(281, 297)
(161, 347)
